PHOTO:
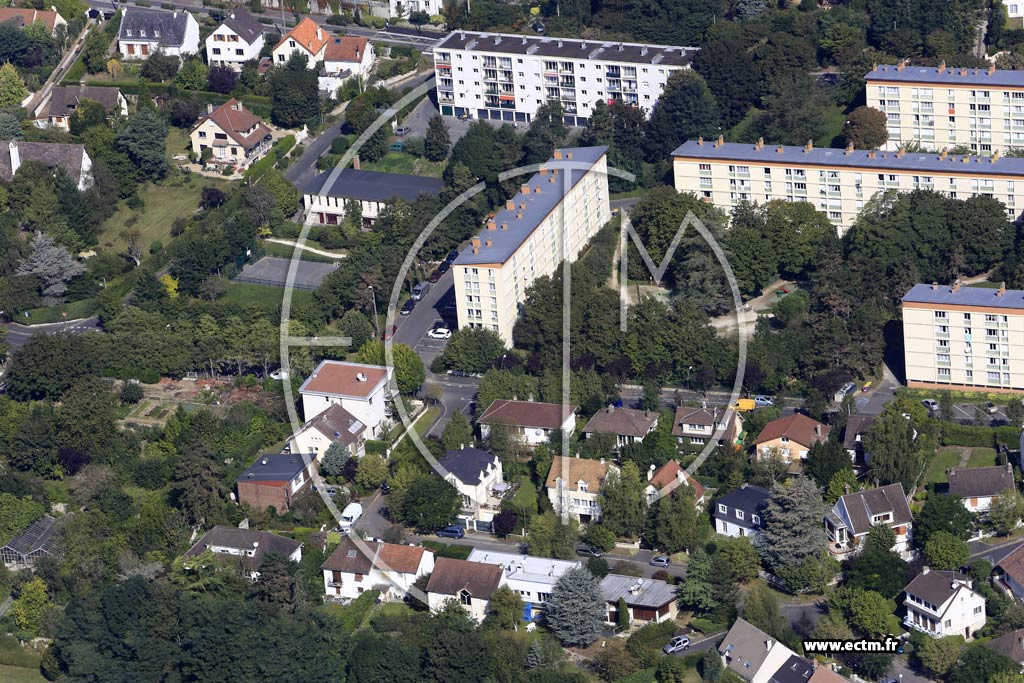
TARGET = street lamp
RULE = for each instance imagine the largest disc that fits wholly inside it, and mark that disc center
(688, 370)
(373, 300)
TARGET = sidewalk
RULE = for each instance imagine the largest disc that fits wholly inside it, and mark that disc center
(305, 247)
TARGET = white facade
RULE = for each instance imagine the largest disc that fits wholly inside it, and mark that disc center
(961, 614)
(367, 401)
(224, 47)
(480, 498)
(574, 487)
(394, 584)
(401, 9)
(140, 44)
(508, 77)
(532, 578)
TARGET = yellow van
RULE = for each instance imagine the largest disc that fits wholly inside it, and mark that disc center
(744, 405)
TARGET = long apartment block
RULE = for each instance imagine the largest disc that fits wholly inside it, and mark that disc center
(939, 107)
(957, 337)
(506, 77)
(550, 220)
(837, 182)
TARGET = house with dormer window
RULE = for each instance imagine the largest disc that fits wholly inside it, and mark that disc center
(695, 427)
(574, 486)
(850, 520)
(739, 512)
(752, 654)
(943, 603)
(389, 568)
(470, 584)
(147, 31)
(308, 39)
(791, 437)
(478, 478)
(233, 134)
(238, 39)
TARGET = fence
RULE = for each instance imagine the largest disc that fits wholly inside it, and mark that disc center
(273, 283)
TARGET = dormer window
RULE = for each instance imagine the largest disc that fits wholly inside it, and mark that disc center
(886, 517)
(156, 33)
(755, 519)
(582, 487)
(142, 32)
(465, 598)
(722, 509)
(128, 32)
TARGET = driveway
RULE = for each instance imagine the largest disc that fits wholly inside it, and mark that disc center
(873, 402)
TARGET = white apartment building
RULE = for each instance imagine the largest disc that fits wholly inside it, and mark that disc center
(838, 182)
(507, 77)
(941, 107)
(235, 41)
(550, 220)
(968, 338)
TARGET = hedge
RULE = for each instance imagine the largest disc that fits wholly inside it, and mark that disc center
(375, 446)
(352, 615)
(277, 152)
(642, 676)
(964, 435)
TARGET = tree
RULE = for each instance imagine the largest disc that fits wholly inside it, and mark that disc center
(193, 75)
(430, 503)
(286, 196)
(546, 132)
(53, 265)
(978, 662)
(866, 128)
(371, 471)
(276, 583)
(335, 457)
(436, 143)
(472, 350)
(409, 370)
(673, 523)
(685, 110)
(825, 459)
(16, 514)
(458, 432)
(221, 79)
(939, 655)
(710, 667)
(356, 327)
(94, 52)
(894, 453)
(740, 555)
(576, 609)
(878, 567)
(504, 609)
(87, 114)
(29, 609)
(12, 88)
(792, 524)
(160, 66)
(142, 138)
(381, 659)
(1006, 511)
(942, 513)
(622, 501)
(841, 483)
(947, 406)
(946, 551)
(696, 591)
(761, 608)
(867, 611)
(212, 197)
(295, 93)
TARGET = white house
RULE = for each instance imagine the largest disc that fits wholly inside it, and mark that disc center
(401, 9)
(332, 192)
(248, 547)
(307, 39)
(71, 158)
(752, 654)
(942, 603)
(333, 425)
(574, 486)
(235, 41)
(477, 476)
(470, 584)
(360, 389)
(145, 31)
(532, 422)
(738, 513)
(694, 427)
(848, 523)
(1012, 567)
(979, 486)
(345, 57)
(386, 567)
(665, 479)
(532, 578)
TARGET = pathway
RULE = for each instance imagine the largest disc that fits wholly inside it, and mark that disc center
(306, 247)
(43, 94)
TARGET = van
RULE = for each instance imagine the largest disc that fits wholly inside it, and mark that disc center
(349, 516)
(744, 405)
(419, 290)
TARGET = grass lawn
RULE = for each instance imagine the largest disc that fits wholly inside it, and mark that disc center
(835, 118)
(264, 297)
(177, 142)
(54, 314)
(947, 457)
(982, 457)
(16, 674)
(400, 162)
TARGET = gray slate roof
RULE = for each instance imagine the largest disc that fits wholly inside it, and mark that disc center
(468, 464)
(795, 670)
(50, 154)
(274, 467)
(749, 499)
(981, 481)
(374, 186)
(568, 48)
(745, 648)
(944, 295)
(244, 24)
(170, 25)
(337, 424)
(856, 424)
(537, 205)
(244, 539)
(861, 506)
(935, 586)
(66, 98)
(828, 157)
(652, 593)
(930, 75)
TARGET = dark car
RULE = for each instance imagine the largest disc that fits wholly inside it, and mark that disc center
(588, 551)
(385, 488)
(452, 255)
(453, 531)
(439, 272)
(407, 307)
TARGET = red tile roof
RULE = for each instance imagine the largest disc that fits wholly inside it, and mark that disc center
(26, 17)
(343, 379)
(527, 414)
(346, 49)
(347, 557)
(667, 473)
(796, 427)
(308, 34)
(238, 122)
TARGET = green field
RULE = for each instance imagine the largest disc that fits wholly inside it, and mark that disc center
(263, 297)
(15, 674)
(55, 314)
(982, 457)
(400, 162)
(947, 458)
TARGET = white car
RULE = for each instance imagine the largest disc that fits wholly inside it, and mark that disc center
(440, 333)
(279, 374)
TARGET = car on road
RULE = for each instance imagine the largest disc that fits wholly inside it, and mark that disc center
(440, 334)
(452, 255)
(991, 408)
(453, 531)
(420, 290)
(867, 386)
(764, 401)
(589, 551)
(677, 644)
(402, 131)
(385, 488)
(931, 404)
(439, 272)
(660, 561)
(407, 307)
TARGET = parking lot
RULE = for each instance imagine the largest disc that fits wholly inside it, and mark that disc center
(429, 348)
(972, 414)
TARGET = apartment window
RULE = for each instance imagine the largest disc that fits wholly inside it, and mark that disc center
(940, 314)
(722, 509)
(944, 373)
(707, 167)
(978, 610)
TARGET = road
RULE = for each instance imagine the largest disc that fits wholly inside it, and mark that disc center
(43, 94)
(18, 334)
(992, 553)
(303, 170)
(874, 401)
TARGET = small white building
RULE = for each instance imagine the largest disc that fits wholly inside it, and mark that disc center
(246, 547)
(943, 603)
(371, 190)
(849, 522)
(360, 389)
(979, 486)
(388, 568)
(477, 476)
(401, 9)
(470, 584)
(665, 479)
(333, 425)
(235, 41)
(649, 601)
(574, 486)
(533, 422)
(146, 31)
(739, 512)
(533, 578)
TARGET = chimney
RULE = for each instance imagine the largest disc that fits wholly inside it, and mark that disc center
(491, 225)
(15, 157)
(209, 108)
(543, 171)
(719, 142)
(700, 141)
(355, 163)
(519, 214)
(991, 68)
(768, 644)
(846, 488)
(522, 205)
(956, 286)
(871, 154)
(817, 430)
(568, 155)
(602, 461)
(504, 225)
(925, 569)
(809, 146)
(475, 241)
(525, 189)
(319, 33)
(650, 472)
(551, 178)
(995, 155)
(759, 144)
(963, 72)
(900, 152)
(1002, 289)
(942, 66)
(488, 242)
(849, 149)
(780, 149)
(557, 155)
(175, 14)
(935, 286)
(902, 65)
(943, 154)
(510, 205)
(536, 189)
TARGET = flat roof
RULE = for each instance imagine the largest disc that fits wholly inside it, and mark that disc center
(859, 158)
(532, 208)
(637, 591)
(567, 48)
(375, 186)
(946, 295)
(542, 570)
(933, 75)
(340, 378)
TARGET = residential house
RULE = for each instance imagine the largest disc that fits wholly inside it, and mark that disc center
(306, 39)
(738, 513)
(943, 603)
(979, 486)
(233, 134)
(664, 480)
(389, 568)
(853, 438)
(796, 669)
(72, 159)
(471, 584)
(274, 480)
(247, 548)
(345, 57)
(532, 422)
(22, 17)
(848, 523)
(694, 427)
(332, 193)
(235, 41)
(574, 486)
(1009, 645)
(649, 601)
(752, 654)
(64, 99)
(626, 425)
(146, 31)
(791, 437)
(477, 476)
(1012, 568)
(532, 578)
(361, 389)
(333, 425)
(825, 675)
(403, 8)
(39, 540)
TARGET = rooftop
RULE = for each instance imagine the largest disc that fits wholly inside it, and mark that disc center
(239, 123)
(653, 593)
(856, 426)
(1009, 644)
(391, 557)
(794, 670)
(935, 586)
(670, 472)
(1013, 564)
(469, 465)
(748, 498)
(64, 99)
(797, 428)
(567, 48)
(944, 76)
(39, 536)
(703, 417)
(829, 157)
(509, 228)
(308, 34)
(340, 378)
(274, 468)
(26, 16)
(543, 570)
(244, 24)
(260, 543)
(953, 295)
(374, 186)
(153, 25)
(66, 156)
(746, 647)
(527, 414)
(337, 424)
(574, 470)
(346, 49)
(862, 506)
(450, 577)
(622, 421)
(981, 481)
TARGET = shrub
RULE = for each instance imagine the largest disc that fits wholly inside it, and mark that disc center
(131, 393)
(645, 645)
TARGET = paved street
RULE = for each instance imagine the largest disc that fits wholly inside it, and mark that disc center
(874, 401)
(992, 553)
(303, 170)
(18, 334)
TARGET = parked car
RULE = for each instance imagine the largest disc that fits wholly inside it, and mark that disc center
(420, 290)
(867, 386)
(660, 561)
(440, 334)
(991, 408)
(402, 131)
(452, 255)
(279, 375)
(349, 516)
(930, 404)
(677, 644)
(588, 551)
(744, 405)
(407, 307)
(453, 531)
(385, 488)
(764, 401)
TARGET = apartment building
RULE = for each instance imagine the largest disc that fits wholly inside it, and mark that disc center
(550, 220)
(970, 338)
(838, 182)
(507, 77)
(944, 107)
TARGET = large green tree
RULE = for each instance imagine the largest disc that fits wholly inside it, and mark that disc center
(430, 503)
(142, 138)
(792, 524)
(576, 609)
(685, 110)
(623, 507)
